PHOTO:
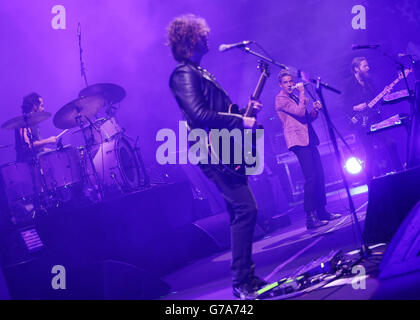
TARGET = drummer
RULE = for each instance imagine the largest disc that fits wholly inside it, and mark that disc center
(31, 103)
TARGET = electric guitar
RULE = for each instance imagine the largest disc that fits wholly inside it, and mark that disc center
(362, 118)
(252, 146)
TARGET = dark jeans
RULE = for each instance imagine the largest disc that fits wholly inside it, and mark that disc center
(242, 209)
(310, 162)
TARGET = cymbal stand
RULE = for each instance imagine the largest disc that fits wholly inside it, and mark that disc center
(146, 178)
(111, 109)
(80, 122)
(40, 201)
(82, 65)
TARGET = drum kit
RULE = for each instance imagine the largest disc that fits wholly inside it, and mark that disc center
(108, 162)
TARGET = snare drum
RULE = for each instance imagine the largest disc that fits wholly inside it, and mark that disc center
(20, 180)
(61, 167)
(116, 165)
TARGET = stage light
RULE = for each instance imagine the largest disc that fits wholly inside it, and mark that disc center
(353, 165)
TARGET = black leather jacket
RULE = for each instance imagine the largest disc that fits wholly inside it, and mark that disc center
(201, 98)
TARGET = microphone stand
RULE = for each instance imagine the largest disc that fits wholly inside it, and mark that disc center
(364, 249)
(332, 124)
(82, 65)
(248, 50)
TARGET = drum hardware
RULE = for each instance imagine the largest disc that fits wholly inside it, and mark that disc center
(26, 121)
(55, 176)
(102, 129)
(110, 128)
(69, 115)
(77, 113)
(41, 196)
(111, 93)
(136, 148)
(114, 177)
(61, 168)
(59, 140)
(97, 186)
(117, 165)
(20, 181)
(27, 183)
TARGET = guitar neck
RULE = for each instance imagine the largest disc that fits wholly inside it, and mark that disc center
(384, 92)
(257, 93)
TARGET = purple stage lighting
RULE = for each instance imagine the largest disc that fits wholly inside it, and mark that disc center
(353, 165)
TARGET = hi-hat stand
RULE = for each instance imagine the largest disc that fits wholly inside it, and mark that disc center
(40, 196)
(88, 149)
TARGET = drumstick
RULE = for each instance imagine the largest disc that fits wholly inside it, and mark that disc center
(63, 132)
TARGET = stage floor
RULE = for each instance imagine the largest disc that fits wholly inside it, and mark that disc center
(281, 253)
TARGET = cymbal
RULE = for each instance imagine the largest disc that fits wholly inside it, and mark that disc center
(112, 93)
(26, 120)
(66, 117)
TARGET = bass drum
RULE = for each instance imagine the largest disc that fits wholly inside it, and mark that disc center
(20, 181)
(116, 165)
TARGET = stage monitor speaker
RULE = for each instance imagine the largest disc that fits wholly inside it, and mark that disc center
(217, 228)
(271, 201)
(403, 253)
(102, 280)
(391, 197)
(4, 290)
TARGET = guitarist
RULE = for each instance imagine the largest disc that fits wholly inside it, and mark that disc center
(201, 100)
(360, 90)
(302, 140)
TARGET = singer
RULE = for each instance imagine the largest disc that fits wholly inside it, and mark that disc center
(200, 99)
(302, 140)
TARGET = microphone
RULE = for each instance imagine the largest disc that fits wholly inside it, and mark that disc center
(304, 83)
(403, 54)
(366, 46)
(224, 47)
(78, 30)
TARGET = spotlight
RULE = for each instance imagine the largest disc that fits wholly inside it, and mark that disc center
(353, 165)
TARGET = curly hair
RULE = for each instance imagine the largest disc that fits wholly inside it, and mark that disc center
(29, 101)
(183, 34)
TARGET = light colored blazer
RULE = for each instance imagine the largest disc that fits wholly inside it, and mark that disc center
(292, 116)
